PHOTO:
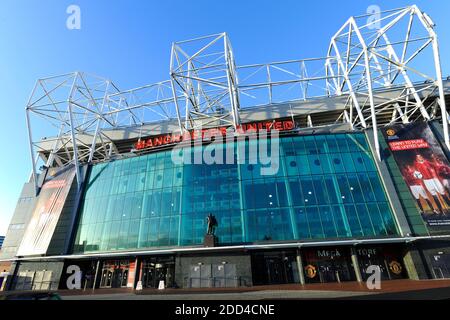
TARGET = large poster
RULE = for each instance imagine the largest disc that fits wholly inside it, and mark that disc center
(425, 169)
(46, 213)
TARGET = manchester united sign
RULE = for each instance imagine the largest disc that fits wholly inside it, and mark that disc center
(207, 134)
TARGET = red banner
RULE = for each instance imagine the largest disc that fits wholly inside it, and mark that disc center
(46, 213)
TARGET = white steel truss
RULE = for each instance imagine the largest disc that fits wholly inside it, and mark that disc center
(379, 65)
(387, 52)
(146, 104)
(203, 69)
(71, 109)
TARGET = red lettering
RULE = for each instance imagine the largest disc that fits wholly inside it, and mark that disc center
(205, 133)
(278, 126)
(139, 145)
(223, 130)
(251, 127)
(288, 125)
(244, 128)
(176, 137)
(158, 141)
(167, 139)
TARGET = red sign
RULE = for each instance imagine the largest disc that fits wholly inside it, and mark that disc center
(131, 274)
(206, 134)
(408, 145)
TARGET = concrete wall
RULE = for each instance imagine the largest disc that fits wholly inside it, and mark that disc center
(19, 222)
(242, 262)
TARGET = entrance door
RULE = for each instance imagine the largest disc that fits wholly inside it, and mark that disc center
(120, 277)
(440, 264)
(114, 274)
(148, 275)
(206, 276)
(124, 278)
(200, 276)
(107, 277)
(275, 270)
(117, 278)
(224, 275)
(156, 270)
(194, 277)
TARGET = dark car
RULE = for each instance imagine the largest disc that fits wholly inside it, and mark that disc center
(31, 296)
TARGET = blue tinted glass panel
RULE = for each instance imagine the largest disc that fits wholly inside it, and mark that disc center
(327, 187)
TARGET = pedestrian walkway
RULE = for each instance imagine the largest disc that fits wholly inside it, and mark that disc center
(323, 290)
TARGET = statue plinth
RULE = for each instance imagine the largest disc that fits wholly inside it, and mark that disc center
(210, 240)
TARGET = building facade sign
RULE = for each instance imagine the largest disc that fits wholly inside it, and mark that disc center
(46, 213)
(425, 169)
(208, 134)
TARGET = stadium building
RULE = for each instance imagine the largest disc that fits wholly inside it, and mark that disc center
(313, 169)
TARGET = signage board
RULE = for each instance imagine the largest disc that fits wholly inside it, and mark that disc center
(425, 169)
(208, 134)
(47, 212)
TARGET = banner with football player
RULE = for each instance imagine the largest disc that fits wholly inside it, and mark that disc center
(425, 169)
(47, 211)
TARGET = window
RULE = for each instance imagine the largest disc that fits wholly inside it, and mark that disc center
(327, 187)
(18, 226)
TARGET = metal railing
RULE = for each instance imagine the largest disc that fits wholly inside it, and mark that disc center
(214, 282)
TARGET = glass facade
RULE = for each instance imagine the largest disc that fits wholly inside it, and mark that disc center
(327, 187)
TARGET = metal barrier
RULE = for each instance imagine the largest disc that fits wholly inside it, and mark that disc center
(213, 282)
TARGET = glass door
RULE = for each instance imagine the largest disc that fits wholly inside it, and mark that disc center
(124, 278)
(275, 270)
(158, 269)
(161, 273)
(115, 274)
(107, 276)
(148, 275)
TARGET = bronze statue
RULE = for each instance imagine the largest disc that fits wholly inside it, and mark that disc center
(211, 223)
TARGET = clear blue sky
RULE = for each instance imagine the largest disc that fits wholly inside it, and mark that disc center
(129, 42)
